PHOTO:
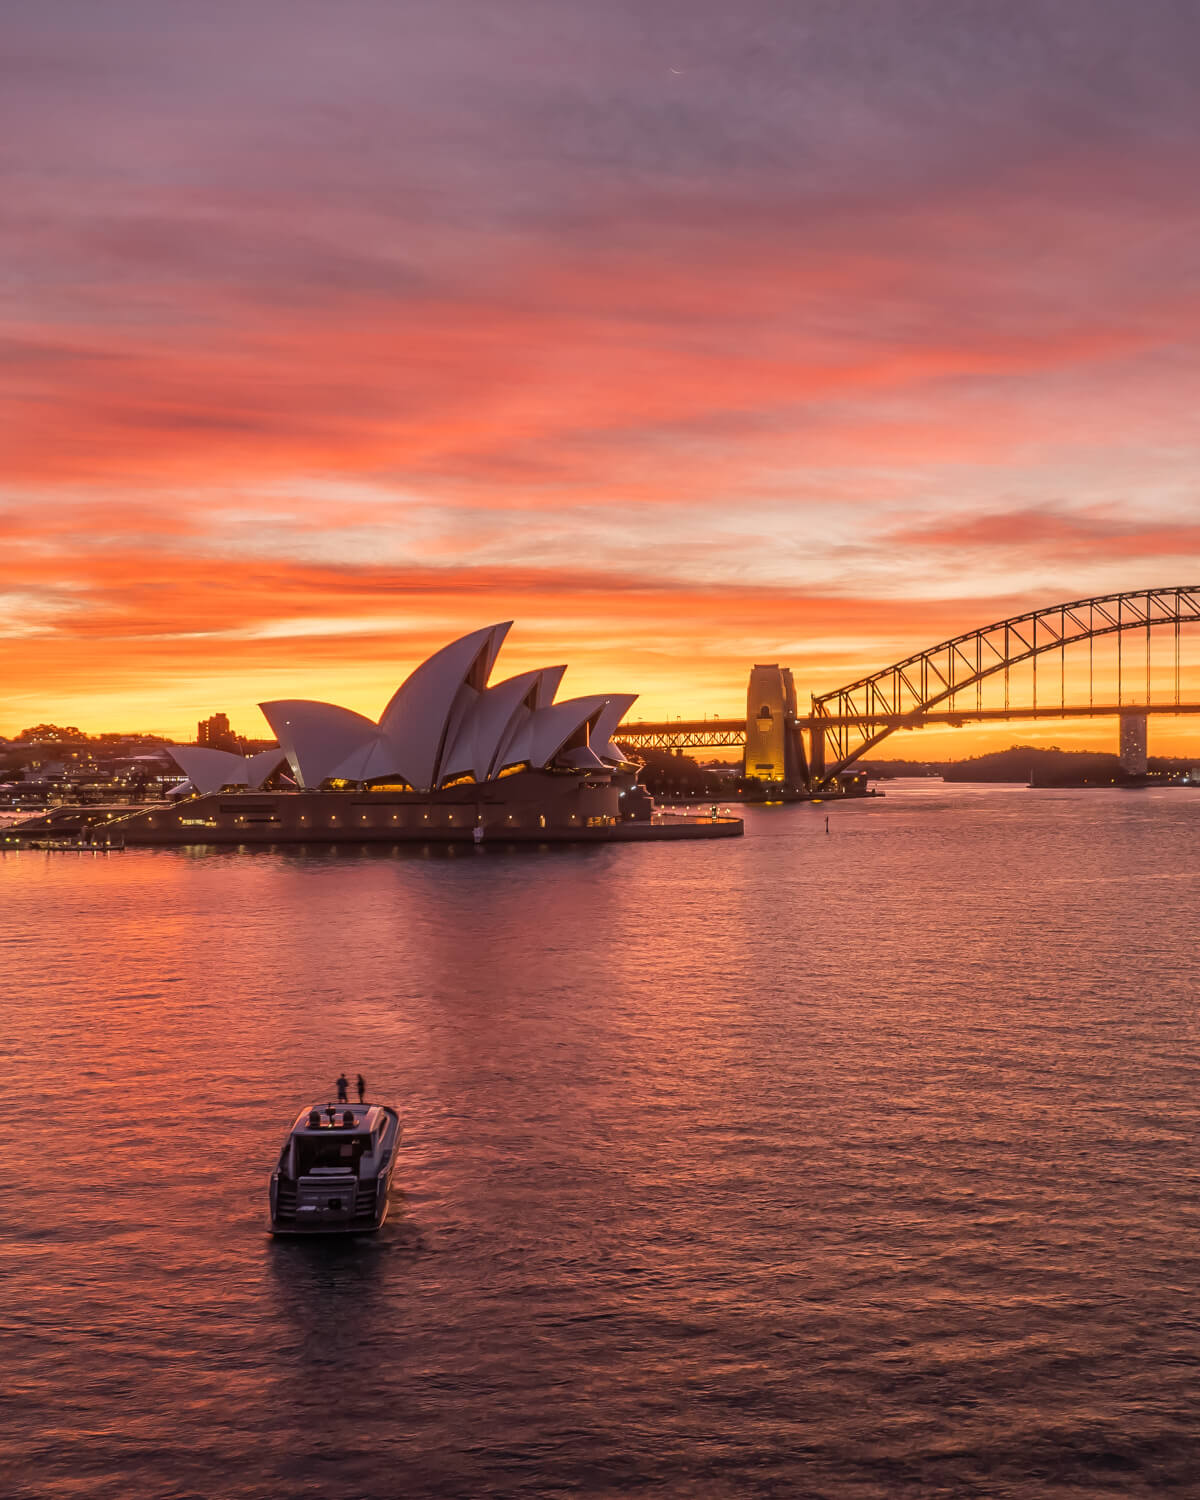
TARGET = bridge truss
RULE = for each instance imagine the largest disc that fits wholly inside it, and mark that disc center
(945, 685)
(849, 721)
(682, 734)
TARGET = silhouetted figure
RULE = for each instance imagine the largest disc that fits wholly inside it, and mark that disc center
(343, 1090)
(362, 1089)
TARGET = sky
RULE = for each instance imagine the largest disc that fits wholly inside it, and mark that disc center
(684, 334)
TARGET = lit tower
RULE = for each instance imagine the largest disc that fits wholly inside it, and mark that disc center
(772, 739)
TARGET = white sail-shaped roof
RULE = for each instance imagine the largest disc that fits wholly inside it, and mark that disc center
(429, 708)
(369, 761)
(581, 758)
(262, 766)
(318, 738)
(444, 722)
(487, 725)
(502, 713)
(605, 726)
(551, 678)
(550, 728)
(208, 770)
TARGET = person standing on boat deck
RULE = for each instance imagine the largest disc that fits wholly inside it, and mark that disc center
(362, 1089)
(343, 1089)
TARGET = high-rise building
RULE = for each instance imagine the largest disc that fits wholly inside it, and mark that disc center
(216, 733)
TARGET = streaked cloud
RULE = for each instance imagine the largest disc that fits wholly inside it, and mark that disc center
(677, 332)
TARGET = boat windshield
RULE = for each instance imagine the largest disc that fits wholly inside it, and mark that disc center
(330, 1150)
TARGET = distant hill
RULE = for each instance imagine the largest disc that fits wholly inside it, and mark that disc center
(1025, 763)
(1028, 763)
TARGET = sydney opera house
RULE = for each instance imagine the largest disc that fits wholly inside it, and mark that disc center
(453, 756)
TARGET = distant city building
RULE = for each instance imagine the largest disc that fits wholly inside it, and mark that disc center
(216, 734)
(771, 738)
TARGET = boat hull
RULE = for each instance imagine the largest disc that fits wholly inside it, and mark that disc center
(308, 1206)
(288, 1228)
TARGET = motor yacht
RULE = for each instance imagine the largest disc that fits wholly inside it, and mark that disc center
(335, 1169)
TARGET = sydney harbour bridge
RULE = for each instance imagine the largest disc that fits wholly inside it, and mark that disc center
(1114, 656)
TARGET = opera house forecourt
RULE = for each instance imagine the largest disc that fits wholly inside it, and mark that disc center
(453, 757)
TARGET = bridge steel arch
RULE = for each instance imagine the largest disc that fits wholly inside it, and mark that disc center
(850, 720)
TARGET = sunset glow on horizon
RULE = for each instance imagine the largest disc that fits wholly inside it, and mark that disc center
(685, 336)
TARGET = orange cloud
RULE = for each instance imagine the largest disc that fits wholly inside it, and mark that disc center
(680, 380)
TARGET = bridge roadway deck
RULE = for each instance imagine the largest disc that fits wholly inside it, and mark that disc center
(702, 734)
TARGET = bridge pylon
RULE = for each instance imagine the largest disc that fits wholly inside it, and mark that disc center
(772, 736)
(815, 770)
(1132, 753)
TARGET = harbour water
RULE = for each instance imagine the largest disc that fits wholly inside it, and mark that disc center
(859, 1164)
